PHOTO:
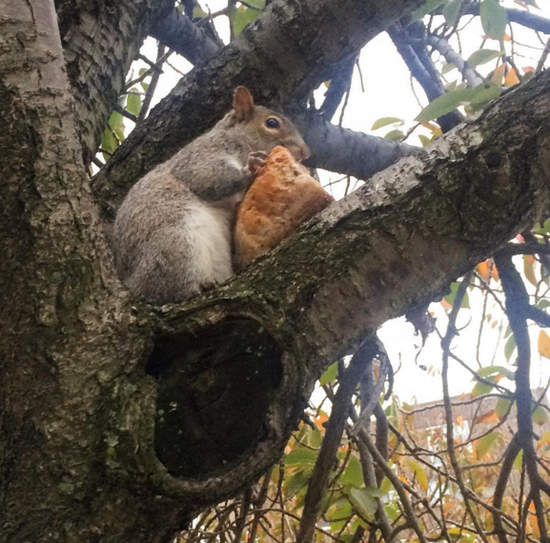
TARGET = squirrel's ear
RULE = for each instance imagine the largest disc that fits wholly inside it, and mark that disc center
(243, 103)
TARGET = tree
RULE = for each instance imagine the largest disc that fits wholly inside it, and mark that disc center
(122, 421)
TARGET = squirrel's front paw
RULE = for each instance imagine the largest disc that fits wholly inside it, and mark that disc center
(256, 162)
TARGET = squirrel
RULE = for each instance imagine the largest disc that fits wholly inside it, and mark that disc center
(172, 235)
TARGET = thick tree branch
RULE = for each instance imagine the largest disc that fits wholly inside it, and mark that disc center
(395, 242)
(440, 205)
(300, 41)
(346, 151)
(100, 40)
(520, 16)
(187, 38)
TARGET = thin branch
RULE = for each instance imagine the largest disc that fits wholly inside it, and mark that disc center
(507, 463)
(153, 83)
(452, 57)
(333, 436)
(445, 345)
(517, 304)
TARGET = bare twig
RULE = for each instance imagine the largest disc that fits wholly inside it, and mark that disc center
(327, 454)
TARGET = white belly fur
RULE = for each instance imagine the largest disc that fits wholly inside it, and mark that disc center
(210, 229)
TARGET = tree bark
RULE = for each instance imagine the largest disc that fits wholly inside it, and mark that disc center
(100, 40)
(119, 420)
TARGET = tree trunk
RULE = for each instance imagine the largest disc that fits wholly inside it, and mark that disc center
(119, 420)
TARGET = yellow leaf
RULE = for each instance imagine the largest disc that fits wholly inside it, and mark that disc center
(419, 473)
(529, 269)
(498, 74)
(320, 421)
(511, 78)
(490, 416)
(543, 344)
(433, 128)
(484, 269)
(544, 439)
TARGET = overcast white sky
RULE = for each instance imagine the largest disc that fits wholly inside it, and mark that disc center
(388, 93)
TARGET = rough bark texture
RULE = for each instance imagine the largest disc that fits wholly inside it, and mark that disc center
(100, 39)
(118, 421)
(70, 340)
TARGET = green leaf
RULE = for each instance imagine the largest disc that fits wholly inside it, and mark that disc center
(374, 491)
(296, 482)
(485, 443)
(353, 474)
(494, 371)
(394, 135)
(509, 347)
(133, 102)
(392, 511)
(540, 416)
(313, 437)
(482, 56)
(362, 501)
(341, 511)
(427, 7)
(451, 11)
(502, 407)
(330, 374)
(299, 456)
(242, 16)
(385, 485)
(444, 104)
(483, 94)
(493, 18)
(419, 472)
(108, 141)
(481, 388)
(198, 12)
(449, 101)
(116, 122)
(518, 460)
(385, 121)
(450, 298)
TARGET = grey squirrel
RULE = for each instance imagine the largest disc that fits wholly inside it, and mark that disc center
(172, 235)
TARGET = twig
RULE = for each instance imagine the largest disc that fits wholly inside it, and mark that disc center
(333, 435)
(507, 463)
(517, 304)
(153, 84)
(543, 57)
(445, 345)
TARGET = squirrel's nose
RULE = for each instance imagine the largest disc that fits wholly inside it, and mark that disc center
(299, 152)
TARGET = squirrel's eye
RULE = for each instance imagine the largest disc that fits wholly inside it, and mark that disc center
(272, 122)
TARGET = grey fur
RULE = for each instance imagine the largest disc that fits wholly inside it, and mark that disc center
(172, 233)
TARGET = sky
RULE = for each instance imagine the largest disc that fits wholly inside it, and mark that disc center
(388, 91)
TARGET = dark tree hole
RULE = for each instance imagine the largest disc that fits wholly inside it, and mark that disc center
(215, 388)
